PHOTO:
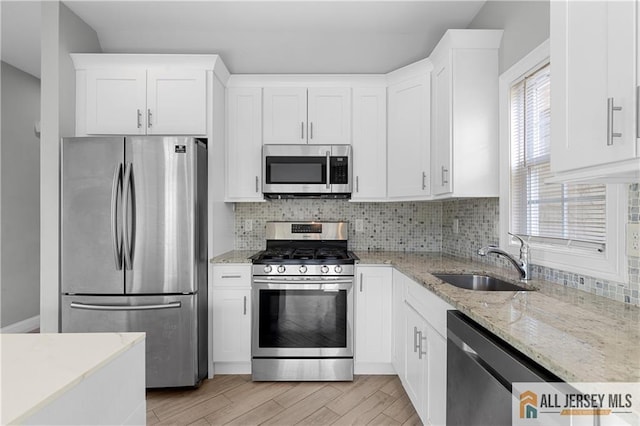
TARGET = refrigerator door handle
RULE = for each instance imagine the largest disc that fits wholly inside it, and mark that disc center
(93, 307)
(116, 238)
(126, 238)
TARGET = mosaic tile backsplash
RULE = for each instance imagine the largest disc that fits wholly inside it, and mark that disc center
(411, 226)
(427, 226)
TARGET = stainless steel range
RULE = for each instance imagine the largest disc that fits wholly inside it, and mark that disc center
(302, 306)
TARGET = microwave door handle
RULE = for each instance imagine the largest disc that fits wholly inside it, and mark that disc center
(328, 169)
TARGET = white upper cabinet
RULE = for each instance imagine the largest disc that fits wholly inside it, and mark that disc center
(329, 118)
(295, 115)
(285, 115)
(125, 94)
(151, 102)
(408, 150)
(244, 144)
(176, 102)
(116, 102)
(369, 144)
(464, 114)
(593, 77)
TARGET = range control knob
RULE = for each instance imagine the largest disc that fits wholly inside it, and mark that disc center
(302, 269)
(338, 269)
(324, 269)
(267, 269)
(281, 269)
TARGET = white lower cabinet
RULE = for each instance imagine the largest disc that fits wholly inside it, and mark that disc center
(415, 373)
(373, 320)
(423, 369)
(231, 328)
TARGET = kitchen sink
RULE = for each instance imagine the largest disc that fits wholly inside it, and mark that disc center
(479, 282)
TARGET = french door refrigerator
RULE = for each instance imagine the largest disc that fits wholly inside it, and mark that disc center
(134, 249)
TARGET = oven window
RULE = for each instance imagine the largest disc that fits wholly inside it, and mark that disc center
(296, 170)
(303, 319)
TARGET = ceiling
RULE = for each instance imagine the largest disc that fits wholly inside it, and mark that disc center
(255, 37)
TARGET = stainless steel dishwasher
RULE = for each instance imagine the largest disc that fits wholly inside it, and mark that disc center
(480, 371)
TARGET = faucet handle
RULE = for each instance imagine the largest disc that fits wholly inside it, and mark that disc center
(524, 247)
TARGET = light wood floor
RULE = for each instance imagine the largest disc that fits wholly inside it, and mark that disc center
(236, 400)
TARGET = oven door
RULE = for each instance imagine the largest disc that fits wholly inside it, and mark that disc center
(302, 317)
(296, 169)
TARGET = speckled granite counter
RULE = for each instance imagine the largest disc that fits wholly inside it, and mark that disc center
(578, 336)
(234, 256)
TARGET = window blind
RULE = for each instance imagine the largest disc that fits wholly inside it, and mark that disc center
(567, 214)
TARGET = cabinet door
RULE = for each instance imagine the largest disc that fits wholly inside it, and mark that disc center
(399, 347)
(231, 325)
(329, 116)
(116, 102)
(415, 360)
(592, 64)
(373, 315)
(285, 115)
(244, 144)
(436, 410)
(408, 139)
(441, 143)
(176, 102)
(369, 143)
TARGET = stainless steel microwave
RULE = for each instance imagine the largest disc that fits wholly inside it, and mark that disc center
(319, 171)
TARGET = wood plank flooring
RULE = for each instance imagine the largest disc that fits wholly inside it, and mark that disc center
(236, 400)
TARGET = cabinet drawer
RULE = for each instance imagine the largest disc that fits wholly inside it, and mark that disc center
(430, 306)
(232, 275)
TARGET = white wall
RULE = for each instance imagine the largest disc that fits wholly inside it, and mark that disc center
(63, 32)
(20, 197)
(525, 24)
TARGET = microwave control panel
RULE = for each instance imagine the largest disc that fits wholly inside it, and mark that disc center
(339, 170)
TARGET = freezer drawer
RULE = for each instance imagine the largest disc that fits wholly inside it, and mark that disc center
(173, 350)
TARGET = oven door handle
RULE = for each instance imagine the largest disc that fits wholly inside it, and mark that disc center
(302, 282)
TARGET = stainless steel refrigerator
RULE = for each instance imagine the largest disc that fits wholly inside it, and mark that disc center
(134, 247)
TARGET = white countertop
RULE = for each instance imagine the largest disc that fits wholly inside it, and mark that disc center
(35, 369)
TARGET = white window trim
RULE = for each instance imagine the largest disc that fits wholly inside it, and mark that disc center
(610, 265)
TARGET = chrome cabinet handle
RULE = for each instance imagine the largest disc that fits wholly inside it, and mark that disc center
(311, 130)
(139, 118)
(93, 307)
(328, 169)
(421, 339)
(126, 238)
(244, 302)
(444, 181)
(610, 133)
(357, 184)
(302, 130)
(116, 239)
(416, 345)
(424, 180)
(360, 282)
(149, 115)
(257, 184)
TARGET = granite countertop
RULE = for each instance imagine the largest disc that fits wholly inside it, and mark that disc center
(39, 368)
(578, 336)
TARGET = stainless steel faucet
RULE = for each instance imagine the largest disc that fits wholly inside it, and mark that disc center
(522, 264)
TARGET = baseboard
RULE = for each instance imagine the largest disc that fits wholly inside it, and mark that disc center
(373, 368)
(24, 326)
(232, 368)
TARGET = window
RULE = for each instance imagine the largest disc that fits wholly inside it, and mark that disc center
(570, 227)
(551, 213)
